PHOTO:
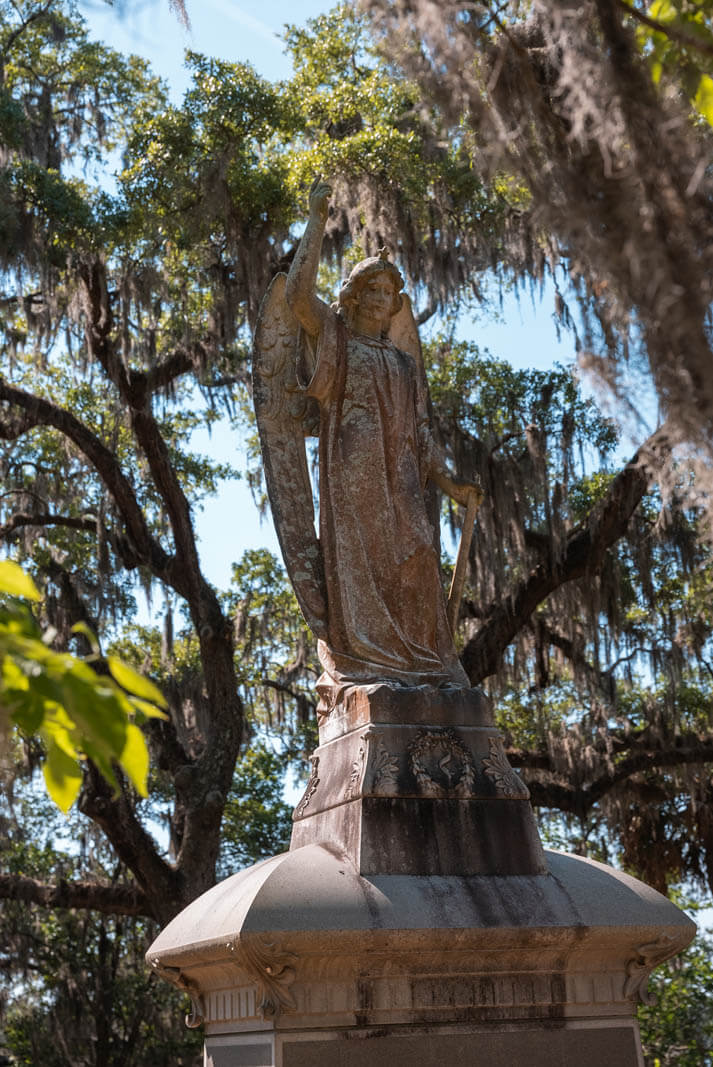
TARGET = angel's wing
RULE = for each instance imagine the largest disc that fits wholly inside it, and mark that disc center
(403, 331)
(281, 411)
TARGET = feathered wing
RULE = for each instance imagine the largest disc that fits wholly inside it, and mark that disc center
(282, 411)
(403, 332)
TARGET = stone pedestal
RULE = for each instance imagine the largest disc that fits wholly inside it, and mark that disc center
(402, 796)
(416, 919)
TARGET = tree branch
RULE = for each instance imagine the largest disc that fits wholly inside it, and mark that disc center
(134, 389)
(19, 30)
(39, 411)
(202, 790)
(161, 884)
(667, 29)
(108, 899)
(14, 424)
(142, 384)
(21, 519)
(601, 680)
(580, 799)
(580, 554)
(426, 313)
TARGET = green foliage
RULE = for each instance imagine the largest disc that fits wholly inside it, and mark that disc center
(257, 822)
(677, 1028)
(276, 657)
(356, 116)
(489, 397)
(75, 984)
(210, 152)
(75, 711)
(65, 100)
(677, 38)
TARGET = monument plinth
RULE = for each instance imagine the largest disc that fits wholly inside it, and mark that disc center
(400, 795)
(416, 919)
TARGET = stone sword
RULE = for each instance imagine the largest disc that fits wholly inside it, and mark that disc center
(458, 579)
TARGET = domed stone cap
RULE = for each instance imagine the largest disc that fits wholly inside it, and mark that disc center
(312, 895)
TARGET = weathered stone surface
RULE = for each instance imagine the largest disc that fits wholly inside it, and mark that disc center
(370, 587)
(595, 1046)
(401, 795)
(379, 705)
(416, 919)
(554, 1044)
(305, 942)
(431, 837)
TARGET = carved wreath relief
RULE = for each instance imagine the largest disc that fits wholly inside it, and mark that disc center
(507, 782)
(441, 764)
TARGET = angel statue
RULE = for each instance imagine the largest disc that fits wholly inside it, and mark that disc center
(370, 585)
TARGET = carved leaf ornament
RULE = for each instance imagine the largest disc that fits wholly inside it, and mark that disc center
(375, 759)
(507, 782)
(386, 769)
(640, 967)
(272, 971)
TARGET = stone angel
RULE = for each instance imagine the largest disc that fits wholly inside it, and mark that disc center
(370, 584)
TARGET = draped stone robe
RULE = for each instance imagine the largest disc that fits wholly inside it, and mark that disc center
(386, 611)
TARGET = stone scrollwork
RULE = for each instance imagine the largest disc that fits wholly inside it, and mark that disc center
(310, 789)
(272, 970)
(386, 769)
(507, 782)
(176, 976)
(356, 776)
(441, 764)
(640, 967)
(373, 762)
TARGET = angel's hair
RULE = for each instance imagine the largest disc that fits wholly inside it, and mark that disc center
(351, 289)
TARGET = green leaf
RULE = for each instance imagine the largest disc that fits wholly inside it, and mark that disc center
(60, 730)
(145, 710)
(134, 682)
(97, 715)
(26, 709)
(62, 775)
(663, 11)
(15, 582)
(703, 100)
(86, 631)
(135, 759)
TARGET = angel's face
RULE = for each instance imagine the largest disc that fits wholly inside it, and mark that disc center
(375, 304)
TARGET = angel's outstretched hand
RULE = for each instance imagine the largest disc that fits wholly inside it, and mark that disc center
(319, 195)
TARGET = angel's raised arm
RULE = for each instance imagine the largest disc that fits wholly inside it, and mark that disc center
(300, 293)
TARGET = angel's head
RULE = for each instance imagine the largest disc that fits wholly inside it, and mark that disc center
(371, 295)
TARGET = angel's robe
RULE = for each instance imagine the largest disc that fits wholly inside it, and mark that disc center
(385, 605)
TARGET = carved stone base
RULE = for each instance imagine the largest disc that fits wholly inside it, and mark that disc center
(416, 919)
(302, 960)
(401, 796)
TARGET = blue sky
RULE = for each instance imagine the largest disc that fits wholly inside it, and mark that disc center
(522, 333)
